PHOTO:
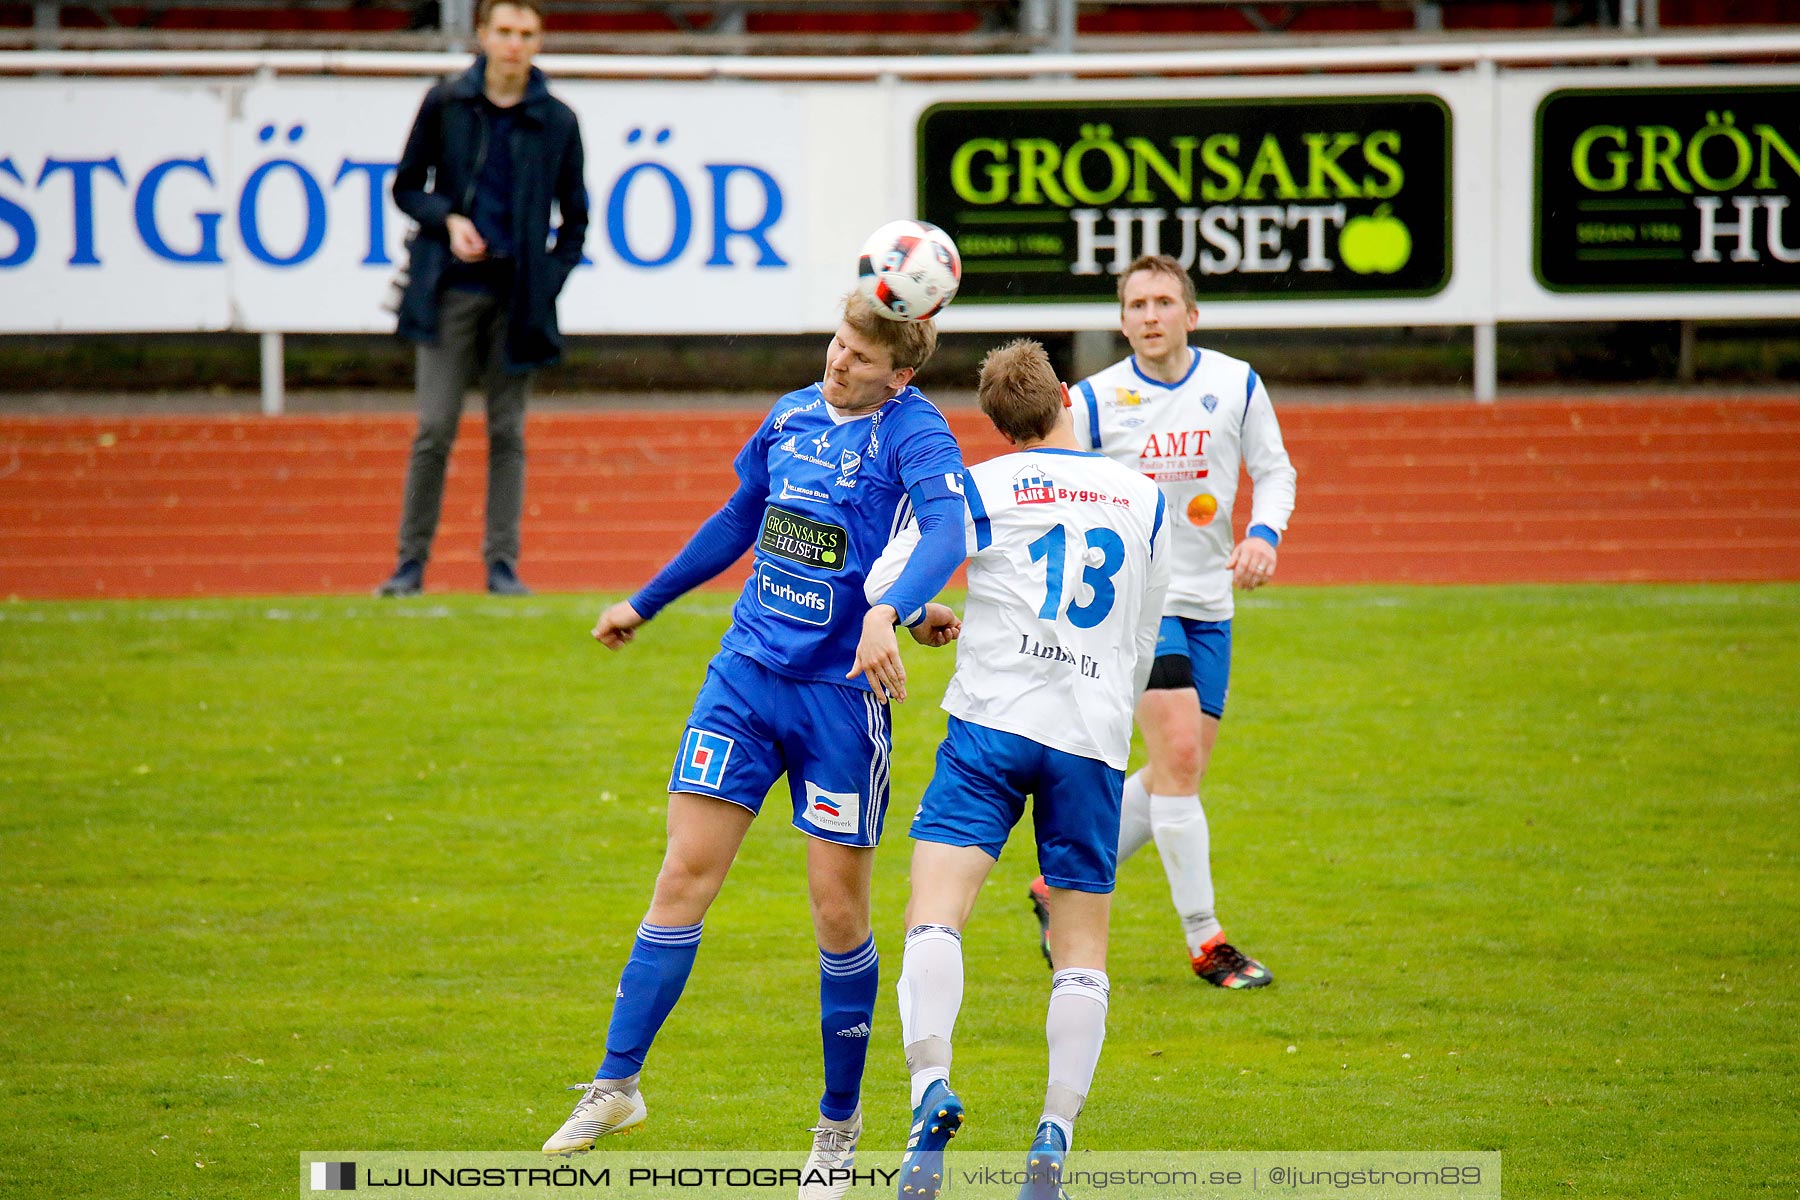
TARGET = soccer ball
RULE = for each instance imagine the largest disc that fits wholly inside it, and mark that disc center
(909, 270)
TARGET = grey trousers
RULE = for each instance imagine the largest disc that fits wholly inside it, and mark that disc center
(471, 345)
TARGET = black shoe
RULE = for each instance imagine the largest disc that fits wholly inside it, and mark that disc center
(408, 579)
(504, 581)
(1223, 965)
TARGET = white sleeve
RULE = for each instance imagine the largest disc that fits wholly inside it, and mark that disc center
(1266, 458)
(1150, 623)
(893, 560)
(899, 550)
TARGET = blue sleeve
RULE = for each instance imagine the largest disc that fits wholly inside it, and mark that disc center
(925, 451)
(752, 462)
(1091, 407)
(941, 549)
(715, 545)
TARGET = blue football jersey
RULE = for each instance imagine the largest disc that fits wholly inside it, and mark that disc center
(837, 489)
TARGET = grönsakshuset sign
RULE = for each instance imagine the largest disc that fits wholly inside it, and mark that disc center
(1668, 189)
(1261, 199)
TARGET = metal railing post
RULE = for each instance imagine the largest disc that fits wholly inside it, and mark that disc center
(46, 24)
(456, 18)
(274, 375)
(1487, 370)
(1487, 367)
(1063, 35)
(1034, 23)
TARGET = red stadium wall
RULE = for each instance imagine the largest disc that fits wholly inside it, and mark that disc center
(1584, 491)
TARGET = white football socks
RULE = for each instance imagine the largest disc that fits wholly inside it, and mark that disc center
(1076, 1028)
(1134, 816)
(930, 992)
(1182, 839)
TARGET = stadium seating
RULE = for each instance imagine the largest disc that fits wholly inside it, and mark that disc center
(832, 26)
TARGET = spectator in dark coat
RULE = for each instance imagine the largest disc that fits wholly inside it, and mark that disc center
(490, 153)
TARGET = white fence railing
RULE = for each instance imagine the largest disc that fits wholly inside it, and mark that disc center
(1553, 178)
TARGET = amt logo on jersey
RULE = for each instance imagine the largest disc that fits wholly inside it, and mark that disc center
(1175, 455)
(1176, 443)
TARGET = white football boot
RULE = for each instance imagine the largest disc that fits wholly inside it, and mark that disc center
(602, 1109)
(826, 1175)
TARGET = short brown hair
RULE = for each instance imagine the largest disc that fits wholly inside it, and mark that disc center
(487, 7)
(908, 343)
(1161, 264)
(1019, 390)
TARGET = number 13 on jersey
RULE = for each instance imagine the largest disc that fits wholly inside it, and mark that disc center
(1052, 549)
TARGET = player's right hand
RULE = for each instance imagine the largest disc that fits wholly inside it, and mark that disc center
(878, 656)
(617, 625)
(465, 242)
(940, 627)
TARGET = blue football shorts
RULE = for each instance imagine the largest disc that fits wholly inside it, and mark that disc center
(751, 725)
(1194, 654)
(977, 794)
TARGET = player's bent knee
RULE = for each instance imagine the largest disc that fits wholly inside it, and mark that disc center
(840, 909)
(841, 923)
(688, 884)
(1183, 760)
(1078, 929)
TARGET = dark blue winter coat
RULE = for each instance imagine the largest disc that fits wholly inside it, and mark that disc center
(436, 178)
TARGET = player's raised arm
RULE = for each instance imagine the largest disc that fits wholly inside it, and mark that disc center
(931, 624)
(718, 543)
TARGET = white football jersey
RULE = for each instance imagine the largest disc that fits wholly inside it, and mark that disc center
(1190, 438)
(1068, 566)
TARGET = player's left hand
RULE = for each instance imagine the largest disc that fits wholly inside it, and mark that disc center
(878, 655)
(940, 626)
(1252, 563)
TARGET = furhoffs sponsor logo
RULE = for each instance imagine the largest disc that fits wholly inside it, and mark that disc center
(793, 596)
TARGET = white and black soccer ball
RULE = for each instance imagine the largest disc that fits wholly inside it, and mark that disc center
(909, 270)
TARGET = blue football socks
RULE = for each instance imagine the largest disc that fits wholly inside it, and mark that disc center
(651, 983)
(846, 1005)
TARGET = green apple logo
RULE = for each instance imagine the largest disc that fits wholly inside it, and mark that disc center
(1375, 245)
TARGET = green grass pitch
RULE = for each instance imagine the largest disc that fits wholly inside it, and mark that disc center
(328, 873)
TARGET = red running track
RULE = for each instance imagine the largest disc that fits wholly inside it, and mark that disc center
(1584, 491)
